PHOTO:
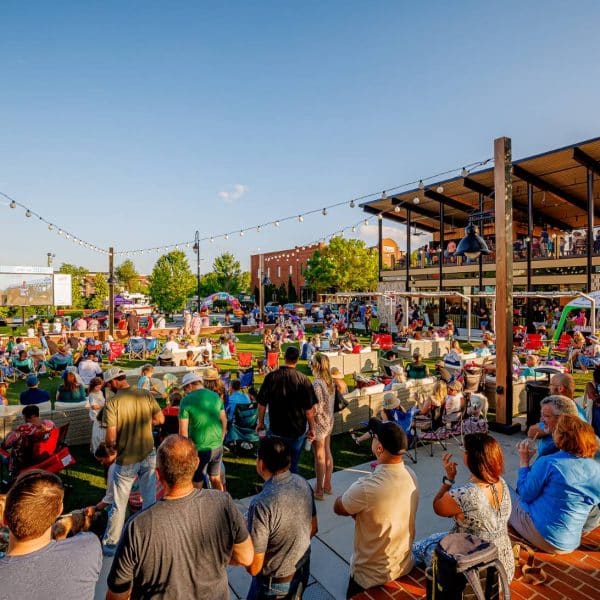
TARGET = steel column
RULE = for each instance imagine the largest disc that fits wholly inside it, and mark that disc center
(408, 219)
(590, 227)
(529, 316)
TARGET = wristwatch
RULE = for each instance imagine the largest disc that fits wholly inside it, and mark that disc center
(447, 481)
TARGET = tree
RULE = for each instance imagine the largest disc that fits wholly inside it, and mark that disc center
(128, 276)
(77, 283)
(282, 294)
(228, 274)
(344, 265)
(101, 292)
(292, 295)
(171, 282)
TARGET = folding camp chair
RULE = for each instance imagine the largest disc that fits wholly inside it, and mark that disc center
(383, 340)
(533, 341)
(151, 346)
(246, 377)
(272, 361)
(136, 348)
(424, 431)
(115, 350)
(244, 359)
(242, 430)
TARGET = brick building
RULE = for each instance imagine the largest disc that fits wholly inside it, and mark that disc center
(282, 265)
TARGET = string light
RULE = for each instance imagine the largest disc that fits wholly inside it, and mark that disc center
(464, 171)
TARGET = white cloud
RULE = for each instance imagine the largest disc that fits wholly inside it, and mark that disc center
(233, 193)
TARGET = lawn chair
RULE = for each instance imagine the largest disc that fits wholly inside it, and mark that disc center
(562, 348)
(22, 367)
(385, 364)
(425, 432)
(244, 359)
(115, 350)
(136, 348)
(58, 364)
(383, 341)
(272, 361)
(151, 346)
(246, 377)
(52, 454)
(472, 377)
(453, 423)
(242, 430)
(533, 342)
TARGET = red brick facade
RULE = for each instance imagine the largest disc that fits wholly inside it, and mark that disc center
(280, 265)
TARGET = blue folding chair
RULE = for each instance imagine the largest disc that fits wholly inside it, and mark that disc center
(151, 345)
(246, 377)
(136, 348)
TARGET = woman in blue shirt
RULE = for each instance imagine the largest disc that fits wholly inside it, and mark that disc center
(556, 494)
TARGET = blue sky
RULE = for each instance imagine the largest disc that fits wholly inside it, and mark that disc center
(136, 123)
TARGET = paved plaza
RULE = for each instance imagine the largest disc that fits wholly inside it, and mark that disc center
(332, 546)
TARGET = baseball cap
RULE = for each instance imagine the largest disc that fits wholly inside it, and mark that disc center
(112, 373)
(190, 378)
(391, 436)
(31, 379)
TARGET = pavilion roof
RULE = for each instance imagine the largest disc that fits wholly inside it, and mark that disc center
(559, 179)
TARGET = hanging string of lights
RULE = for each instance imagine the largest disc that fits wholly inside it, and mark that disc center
(29, 213)
(463, 171)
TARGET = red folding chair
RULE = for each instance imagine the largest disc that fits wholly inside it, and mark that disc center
(383, 340)
(244, 359)
(533, 341)
(272, 361)
(115, 350)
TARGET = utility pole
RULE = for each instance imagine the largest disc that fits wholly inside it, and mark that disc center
(197, 249)
(111, 291)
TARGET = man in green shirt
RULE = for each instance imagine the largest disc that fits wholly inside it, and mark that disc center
(129, 416)
(202, 418)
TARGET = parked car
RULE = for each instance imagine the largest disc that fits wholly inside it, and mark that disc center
(102, 315)
(294, 309)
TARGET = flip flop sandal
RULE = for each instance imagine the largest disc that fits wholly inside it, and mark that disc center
(525, 570)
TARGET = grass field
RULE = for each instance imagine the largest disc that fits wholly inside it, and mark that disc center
(87, 476)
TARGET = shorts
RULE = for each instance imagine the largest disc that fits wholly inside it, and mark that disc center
(210, 464)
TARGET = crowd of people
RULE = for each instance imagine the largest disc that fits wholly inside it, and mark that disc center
(175, 457)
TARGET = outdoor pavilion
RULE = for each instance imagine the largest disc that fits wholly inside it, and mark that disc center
(552, 192)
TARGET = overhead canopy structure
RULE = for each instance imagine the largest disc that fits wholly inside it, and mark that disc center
(393, 297)
(559, 185)
(586, 301)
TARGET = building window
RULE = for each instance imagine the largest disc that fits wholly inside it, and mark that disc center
(278, 270)
(291, 270)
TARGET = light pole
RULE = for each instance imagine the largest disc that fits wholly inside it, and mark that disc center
(111, 291)
(50, 256)
(197, 249)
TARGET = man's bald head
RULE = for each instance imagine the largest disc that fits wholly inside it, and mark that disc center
(177, 460)
(562, 384)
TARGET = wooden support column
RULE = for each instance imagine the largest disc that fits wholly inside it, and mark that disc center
(504, 284)
(529, 319)
(111, 291)
(441, 266)
(408, 214)
(590, 228)
(380, 243)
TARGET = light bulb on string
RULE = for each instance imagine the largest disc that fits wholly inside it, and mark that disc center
(383, 195)
(352, 204)
(226, 236)
(464, 172)
(354, 229)
(50, 227)
(212, 240)
(421, 184)
(258, 229)
(324, 211)
(440, 189)
(366, 222)
(242, 233)
(13, 204)
(300, 218)
(27, 213)
(276, 223)
(397, 208)
(416, 200)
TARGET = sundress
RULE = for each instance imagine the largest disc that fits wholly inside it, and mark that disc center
(481, 520)
(323, 409)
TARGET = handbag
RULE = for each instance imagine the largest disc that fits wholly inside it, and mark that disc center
(339, 403)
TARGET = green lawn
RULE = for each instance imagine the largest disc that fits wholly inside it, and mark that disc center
(87, 477)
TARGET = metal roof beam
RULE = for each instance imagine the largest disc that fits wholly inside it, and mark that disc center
(475, 186)
(585, 160)
(450, 202)
(545, 186)
(435, 216)
(392, 216)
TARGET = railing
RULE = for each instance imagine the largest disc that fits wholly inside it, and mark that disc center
(428, 261)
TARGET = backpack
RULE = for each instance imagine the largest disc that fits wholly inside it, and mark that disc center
(465, 566)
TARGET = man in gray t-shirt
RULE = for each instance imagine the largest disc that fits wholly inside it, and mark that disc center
(180, 546)
(37, 567)
(281, 520)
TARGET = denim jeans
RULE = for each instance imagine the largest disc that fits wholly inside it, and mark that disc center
(295, 445)
(125, 476)
(262, 588)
